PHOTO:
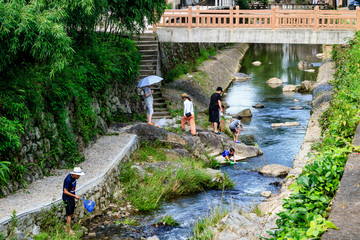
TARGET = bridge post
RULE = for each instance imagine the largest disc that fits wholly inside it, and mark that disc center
(190, 17)
(231, 18)
(316, 18)
(357, 18)
(237, 15)
(197, 13)
(273, 17)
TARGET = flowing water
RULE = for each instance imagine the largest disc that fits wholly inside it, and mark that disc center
(279, 145)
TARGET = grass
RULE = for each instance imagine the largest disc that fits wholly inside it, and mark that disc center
(129, 221)
(255, 209)
(58, 233)
(169, 220)
(147, 191)
(203, 229)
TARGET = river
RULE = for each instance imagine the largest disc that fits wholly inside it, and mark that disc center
(279, 145)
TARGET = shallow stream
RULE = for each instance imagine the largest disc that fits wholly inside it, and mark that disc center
(279, 145)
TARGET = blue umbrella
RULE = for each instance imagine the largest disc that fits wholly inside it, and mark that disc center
(150, 80)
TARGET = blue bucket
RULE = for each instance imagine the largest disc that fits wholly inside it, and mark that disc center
(89, 205)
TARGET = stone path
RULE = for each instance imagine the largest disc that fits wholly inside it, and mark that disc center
(99, 158)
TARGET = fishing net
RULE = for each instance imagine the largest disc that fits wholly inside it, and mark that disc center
(89, 205)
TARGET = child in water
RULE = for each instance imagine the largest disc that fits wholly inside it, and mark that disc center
(229, 153)
(235, 127)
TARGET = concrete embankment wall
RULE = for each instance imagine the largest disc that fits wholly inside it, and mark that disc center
(99, 188)
(254, 227)
(210, 75)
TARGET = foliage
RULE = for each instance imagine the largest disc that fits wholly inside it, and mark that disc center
(169, 220)
(243, 4)
(129, 221)
(307, 209)
(203, 229)
(189, 66)
(33, 99)
(4, 171)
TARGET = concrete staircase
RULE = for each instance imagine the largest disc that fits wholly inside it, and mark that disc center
(149, 48)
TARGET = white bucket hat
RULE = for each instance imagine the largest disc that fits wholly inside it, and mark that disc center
(77, 171)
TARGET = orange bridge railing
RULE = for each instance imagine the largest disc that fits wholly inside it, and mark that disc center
(268, 19)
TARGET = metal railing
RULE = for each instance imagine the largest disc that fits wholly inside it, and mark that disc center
(269, 19)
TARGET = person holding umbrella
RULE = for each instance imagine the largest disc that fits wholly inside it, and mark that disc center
(149, 100)
(188, 114)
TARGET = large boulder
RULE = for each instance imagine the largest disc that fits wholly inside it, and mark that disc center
(290, 88)
(275, 170)
(240, 77)
(176, 153)
(244, 113)
(285, 124)
(303, 65)
(213, 141)
(147, 132)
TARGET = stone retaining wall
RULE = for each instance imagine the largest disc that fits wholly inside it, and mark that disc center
(99, 190)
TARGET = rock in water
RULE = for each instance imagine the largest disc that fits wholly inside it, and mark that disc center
(296, 100)
(320, 55)
(153, 238)
(256, 63)
(240, 77)
(258, 105)
(296, 108)
(306, 86)
(244, 113)
(266, 194)
(303, 65)
(290, 88)
(275, 170)
(310, 70)
(274, 80)
(285, 124)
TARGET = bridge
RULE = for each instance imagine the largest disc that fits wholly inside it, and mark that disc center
(258, 26)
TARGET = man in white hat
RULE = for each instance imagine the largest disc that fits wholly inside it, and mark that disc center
(69, 195)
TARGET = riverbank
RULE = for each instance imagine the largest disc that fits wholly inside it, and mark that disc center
(213, 73)
(254, 226)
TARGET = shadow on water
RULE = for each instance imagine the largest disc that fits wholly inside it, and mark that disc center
(279, 145)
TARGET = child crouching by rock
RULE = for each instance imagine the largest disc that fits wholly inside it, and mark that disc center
(229, 153)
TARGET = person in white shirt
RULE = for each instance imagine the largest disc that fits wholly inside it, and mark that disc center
(188, 114)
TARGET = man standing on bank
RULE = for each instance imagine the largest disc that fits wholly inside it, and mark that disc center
(215, 105)
(69, 195)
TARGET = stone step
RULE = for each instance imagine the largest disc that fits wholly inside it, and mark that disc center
(148, 67)
(150, 52)
(149, 57)
(144, 47)
(159, 100)
(148, 62)
(147, 42)
(155, 119)
(147, 72)
(161, 114)
(160, 104)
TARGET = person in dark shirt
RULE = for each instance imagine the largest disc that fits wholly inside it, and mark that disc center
(215, 105)
(69, 195)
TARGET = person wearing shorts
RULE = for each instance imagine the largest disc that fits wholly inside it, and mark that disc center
(235, 127)
(149, 102)
(214, 107)
(69, 195)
